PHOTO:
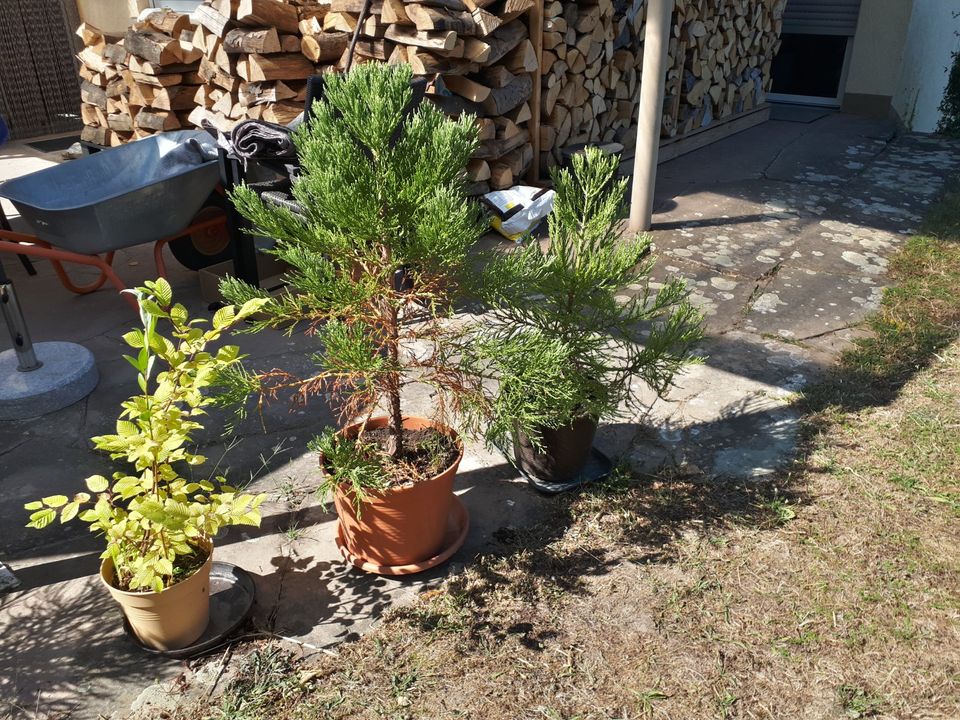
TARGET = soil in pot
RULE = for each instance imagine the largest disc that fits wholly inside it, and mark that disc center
(175, 617)
(406, 522)
(564, 451)
(426, 452)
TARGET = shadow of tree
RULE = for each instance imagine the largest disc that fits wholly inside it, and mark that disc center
(64, 652)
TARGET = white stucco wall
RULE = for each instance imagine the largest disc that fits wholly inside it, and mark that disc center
(931, 38)
(111, 16)
(878, 46)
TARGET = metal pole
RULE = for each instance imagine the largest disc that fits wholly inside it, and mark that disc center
(656, 41)
(26, 357)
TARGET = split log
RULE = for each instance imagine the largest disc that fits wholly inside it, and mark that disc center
(324, 47)
(216, 22)
(167, 21)
(241, 40)
(158, 120)
(93, 95)
(501, 100)
(427, 18)
(294, 66)
(440, 41)
(268, 13)
(153, 47)
(98, 135)
(469, 89)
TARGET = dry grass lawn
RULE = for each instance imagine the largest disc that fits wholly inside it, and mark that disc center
(833, 592)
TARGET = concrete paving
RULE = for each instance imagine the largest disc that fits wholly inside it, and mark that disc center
(783, 232)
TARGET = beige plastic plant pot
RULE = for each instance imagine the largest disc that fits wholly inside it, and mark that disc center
(170, 619)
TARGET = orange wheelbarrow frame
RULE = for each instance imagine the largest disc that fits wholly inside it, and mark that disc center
(32, 246)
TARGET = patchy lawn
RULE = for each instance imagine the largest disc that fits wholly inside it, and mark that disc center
(833, 592)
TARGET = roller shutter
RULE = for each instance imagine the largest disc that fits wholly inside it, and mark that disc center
(821, 17)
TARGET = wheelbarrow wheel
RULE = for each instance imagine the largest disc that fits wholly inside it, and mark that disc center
(209, 246)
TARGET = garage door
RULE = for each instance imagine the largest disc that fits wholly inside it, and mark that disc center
(821, 17)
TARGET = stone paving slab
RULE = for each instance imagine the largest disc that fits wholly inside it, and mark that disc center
(800, 304)
(731, 416)
(720, 294)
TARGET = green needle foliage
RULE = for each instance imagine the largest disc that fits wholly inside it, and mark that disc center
(155, 521)
(381, 254)
(565, 342)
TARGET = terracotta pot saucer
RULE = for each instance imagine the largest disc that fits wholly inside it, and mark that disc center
(458, 524)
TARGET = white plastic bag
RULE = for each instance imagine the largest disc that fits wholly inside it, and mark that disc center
(518, 209)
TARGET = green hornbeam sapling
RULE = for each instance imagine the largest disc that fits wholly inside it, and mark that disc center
(567, 339)
(154, 520)
(379, 255)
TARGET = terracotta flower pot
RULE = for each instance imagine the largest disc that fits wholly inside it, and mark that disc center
(565, 451)
(401, 525)
(170, 619)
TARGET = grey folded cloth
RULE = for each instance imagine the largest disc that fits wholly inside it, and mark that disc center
(177, 155)
(256, 140)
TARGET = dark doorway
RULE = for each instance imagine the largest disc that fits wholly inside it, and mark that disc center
(809, 65)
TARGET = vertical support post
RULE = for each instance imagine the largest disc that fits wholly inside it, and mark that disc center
(656, 42)
(536, 37)
(17, 326)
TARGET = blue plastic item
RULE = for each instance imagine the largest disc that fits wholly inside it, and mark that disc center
(140, 192)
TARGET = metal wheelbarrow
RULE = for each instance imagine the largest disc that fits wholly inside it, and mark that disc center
(85, 210)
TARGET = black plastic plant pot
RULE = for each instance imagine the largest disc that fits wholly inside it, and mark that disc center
(565, 452)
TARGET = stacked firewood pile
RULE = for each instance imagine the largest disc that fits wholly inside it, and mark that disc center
(720, 56)
(719, 61)
(590, 73)
(255, 62)
(140, 84)
(237, 59)
(477, 55)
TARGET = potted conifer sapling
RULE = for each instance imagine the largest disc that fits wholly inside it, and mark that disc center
(158, 522)
(577, 329)
(379, 256)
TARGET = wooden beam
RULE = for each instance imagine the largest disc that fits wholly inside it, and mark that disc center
(536, 35)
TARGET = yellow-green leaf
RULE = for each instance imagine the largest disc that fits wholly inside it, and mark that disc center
(134, 338)
(163, 291)
(97, 483)
(56, 501)
(178, 314)
(223, 317)
(69, 512)
(252, 306)
(125, 428)
(42, 518)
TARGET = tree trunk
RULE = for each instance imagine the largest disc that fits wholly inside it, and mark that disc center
(396, 416)
(391, 316)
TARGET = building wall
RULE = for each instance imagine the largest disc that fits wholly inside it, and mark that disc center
(111, 16)
(930, 39)
(877, 56)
